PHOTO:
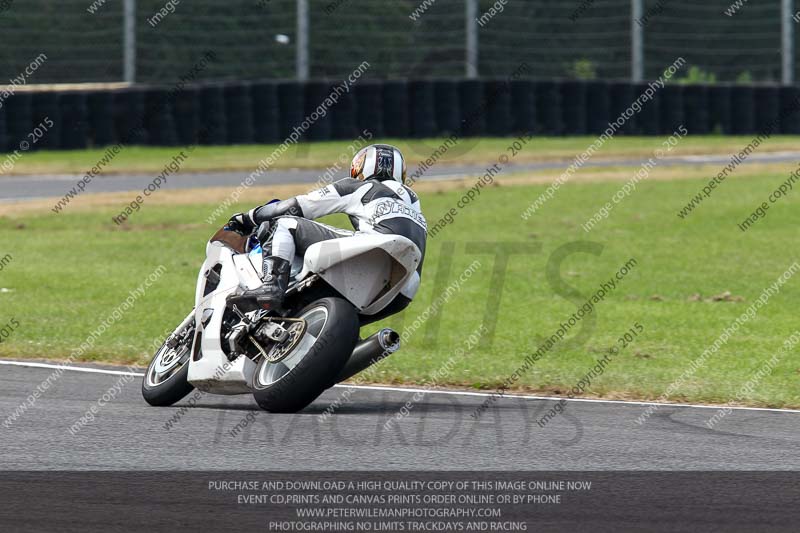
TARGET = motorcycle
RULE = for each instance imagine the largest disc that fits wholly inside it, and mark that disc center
(285, 358)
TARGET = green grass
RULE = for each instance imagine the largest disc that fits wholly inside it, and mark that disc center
(68, 273)
(324, 154)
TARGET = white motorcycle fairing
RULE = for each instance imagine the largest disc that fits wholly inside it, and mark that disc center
(368, 270)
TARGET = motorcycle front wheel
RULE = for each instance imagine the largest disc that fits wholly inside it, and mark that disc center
(165, 381)
(298, 377)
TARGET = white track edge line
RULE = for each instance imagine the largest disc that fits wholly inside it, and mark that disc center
(431, 391)
(72, 368)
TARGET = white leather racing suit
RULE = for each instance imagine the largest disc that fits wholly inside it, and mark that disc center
(386, 207)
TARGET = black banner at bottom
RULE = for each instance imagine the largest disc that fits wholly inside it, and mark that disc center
(399, 501)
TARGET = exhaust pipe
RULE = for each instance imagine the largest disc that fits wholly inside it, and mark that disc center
(370, 351)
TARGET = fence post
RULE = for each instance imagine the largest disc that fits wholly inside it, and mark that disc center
(129, 41)
(471, 21)
(787, 42)
(302, 40)
(637, 41)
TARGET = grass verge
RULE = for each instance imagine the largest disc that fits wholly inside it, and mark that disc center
(692, 279)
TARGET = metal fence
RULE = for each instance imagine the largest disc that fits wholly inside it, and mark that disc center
(156, 41)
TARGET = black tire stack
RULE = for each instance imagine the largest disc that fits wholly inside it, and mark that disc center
(270, 111)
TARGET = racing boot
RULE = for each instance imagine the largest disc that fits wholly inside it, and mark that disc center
(270, 295)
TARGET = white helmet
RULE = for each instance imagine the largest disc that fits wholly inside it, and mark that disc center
(380, 162)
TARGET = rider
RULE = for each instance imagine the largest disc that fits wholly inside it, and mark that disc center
(374, 196)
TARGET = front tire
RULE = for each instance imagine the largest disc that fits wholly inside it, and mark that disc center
(165, 381)
(292, 383)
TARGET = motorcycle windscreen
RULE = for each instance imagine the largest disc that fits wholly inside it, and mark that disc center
(231, 239)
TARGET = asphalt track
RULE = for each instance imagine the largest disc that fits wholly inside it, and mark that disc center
(20, 188)
(438, 434)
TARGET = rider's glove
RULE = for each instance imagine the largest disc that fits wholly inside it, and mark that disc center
(241, 223)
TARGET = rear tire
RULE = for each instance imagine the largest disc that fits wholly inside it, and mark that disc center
(165, 381)
(294, 382)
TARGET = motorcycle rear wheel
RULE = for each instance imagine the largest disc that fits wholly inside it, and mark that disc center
(292, 383)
